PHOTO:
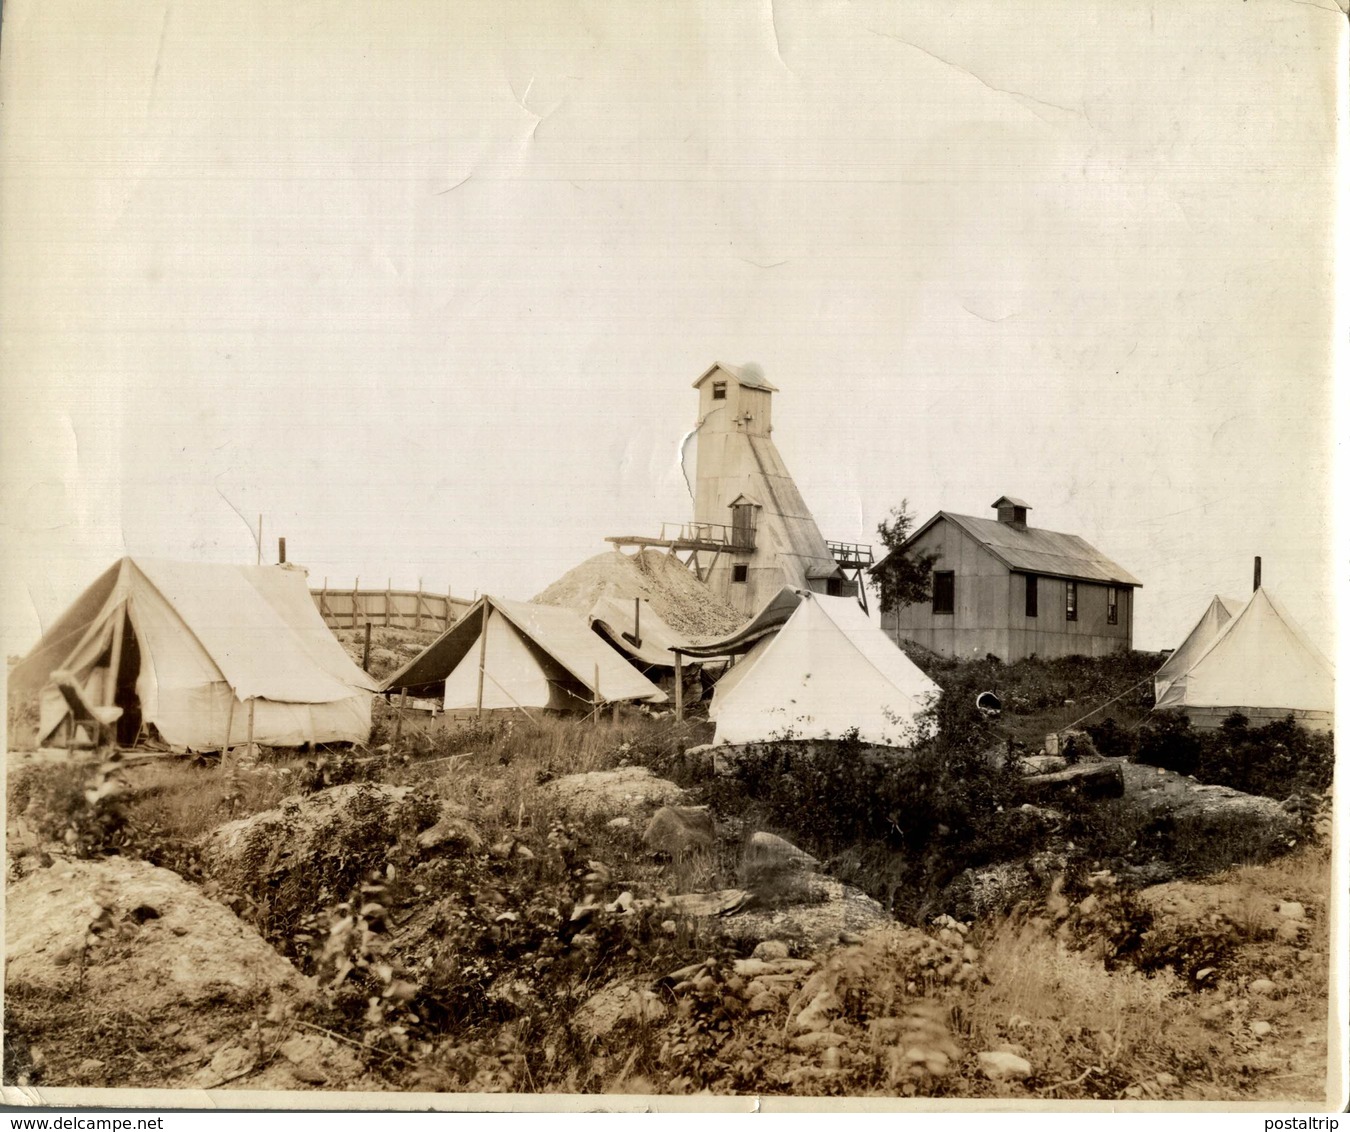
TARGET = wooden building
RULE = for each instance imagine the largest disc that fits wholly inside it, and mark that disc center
(742, 488)
(1003, 588)
(752, 533)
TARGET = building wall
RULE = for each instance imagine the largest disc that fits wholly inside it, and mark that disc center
(737, 457)
(990, 609)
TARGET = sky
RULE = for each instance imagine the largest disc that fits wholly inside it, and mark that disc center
(426, 284)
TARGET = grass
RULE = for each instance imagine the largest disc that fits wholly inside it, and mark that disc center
(501, 964)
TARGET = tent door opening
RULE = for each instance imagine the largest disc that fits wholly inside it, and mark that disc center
(124, 692)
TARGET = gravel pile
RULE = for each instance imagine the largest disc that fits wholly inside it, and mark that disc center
(674, 593)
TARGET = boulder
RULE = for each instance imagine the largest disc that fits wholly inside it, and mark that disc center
(454, 830)
(769, 850)
(831, 912)
(1001, 1065)
(1041, 764)
(617, 1003)
(606, 794)
(678, 830)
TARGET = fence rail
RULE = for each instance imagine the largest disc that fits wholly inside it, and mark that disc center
(388, 608)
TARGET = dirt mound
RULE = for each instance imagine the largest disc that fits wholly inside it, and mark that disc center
(121, 973)
(313, 849)
(127, 931)
(674, 593)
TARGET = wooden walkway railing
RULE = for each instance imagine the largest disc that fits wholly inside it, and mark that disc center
(388, 608)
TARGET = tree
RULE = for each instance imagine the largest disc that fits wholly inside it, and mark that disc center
(902, 577)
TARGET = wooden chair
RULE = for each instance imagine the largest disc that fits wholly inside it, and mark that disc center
(98, 721)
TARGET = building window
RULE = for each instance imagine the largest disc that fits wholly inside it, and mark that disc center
(1112, 609)
(1070, 601)
(740, 571)
(1031, 595)
(944, 591)
(719, 390)
(834, 587)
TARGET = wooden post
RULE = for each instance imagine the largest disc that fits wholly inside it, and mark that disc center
(388, 599)
(281, 552)
(679, 686)
(637, 622)
(447, 607)
(356, 605)
(251, 705)
(398, 719)
(482, 654)
(1256, 574)
(229, 726)
(365, 652)
(417, 608)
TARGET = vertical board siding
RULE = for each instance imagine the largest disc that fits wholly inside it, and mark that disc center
(990, 615)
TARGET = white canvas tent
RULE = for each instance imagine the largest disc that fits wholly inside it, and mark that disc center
(1260, 664)
(816, 667)
(639, 633)
(1216, 616)
(189, 647)
(534, 656)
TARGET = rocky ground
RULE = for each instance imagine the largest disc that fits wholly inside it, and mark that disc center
(478, 922)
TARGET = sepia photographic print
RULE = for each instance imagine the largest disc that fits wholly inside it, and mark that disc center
(582, 554)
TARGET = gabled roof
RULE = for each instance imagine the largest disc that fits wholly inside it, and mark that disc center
(1011, 501)
(1033, 550)
(749, 377)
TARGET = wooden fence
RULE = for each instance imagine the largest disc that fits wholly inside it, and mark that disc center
(388, 608)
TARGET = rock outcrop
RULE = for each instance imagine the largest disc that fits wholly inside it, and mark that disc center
(605, 794)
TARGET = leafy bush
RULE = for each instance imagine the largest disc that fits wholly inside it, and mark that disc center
(943, 808)
(1277, 760)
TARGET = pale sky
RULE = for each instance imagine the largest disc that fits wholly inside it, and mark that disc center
(427, 284)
